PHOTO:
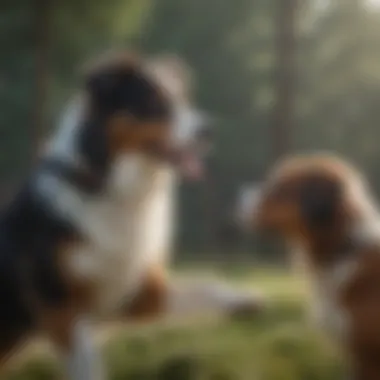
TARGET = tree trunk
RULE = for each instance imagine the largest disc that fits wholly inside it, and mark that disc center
(42, 33)
(285, 45)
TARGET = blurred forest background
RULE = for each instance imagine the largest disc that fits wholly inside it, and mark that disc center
(279, 76)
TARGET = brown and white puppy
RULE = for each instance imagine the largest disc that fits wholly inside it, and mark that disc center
(88, 236)
(322, 207)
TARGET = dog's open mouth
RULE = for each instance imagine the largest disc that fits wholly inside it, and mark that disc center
(189, 156)
(191, 161)
(191, 165)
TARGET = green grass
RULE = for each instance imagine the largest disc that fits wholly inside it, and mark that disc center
(278, 345)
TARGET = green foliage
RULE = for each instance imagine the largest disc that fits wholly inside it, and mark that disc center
(230, 47)
(16, 84)
(77, 30)
(275, 346)
(339, 83)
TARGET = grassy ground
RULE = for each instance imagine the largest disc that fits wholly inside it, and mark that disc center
(279, 345)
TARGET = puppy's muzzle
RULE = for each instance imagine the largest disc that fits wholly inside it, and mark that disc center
(247, 206)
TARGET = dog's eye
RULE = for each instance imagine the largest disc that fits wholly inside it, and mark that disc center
(157, 108)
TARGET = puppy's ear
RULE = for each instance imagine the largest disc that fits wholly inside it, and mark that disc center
(320, 200)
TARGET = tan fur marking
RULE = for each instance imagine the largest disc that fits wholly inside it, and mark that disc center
(151, 299)
(127, 134)
(81, 290)
(280, 206)
(58, 324)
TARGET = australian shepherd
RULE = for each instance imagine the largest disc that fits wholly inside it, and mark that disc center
(89, 234)
(323, 208)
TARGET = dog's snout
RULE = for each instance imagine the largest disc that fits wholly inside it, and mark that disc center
(205, 133)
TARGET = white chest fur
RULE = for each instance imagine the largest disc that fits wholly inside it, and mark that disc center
(325, 309)
(123, 236)
(325, 286)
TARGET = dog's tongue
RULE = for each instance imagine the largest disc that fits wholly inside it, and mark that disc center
(191, 166)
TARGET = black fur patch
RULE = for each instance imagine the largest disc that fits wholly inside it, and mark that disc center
(29, 237)
(117, 89)
(114, 90)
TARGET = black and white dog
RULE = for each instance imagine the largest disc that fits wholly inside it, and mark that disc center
(89, 235)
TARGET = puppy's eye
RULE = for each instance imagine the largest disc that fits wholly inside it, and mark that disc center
(283, 193)
(152, 145)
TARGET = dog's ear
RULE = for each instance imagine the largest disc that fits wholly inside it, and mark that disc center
(105, 77)
(106, 86)
(320, 200)
(101, 85)
(173, 74)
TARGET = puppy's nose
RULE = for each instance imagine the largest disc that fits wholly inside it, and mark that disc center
(247, 205)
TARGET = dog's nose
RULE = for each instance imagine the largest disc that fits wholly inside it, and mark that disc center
(205, 133)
